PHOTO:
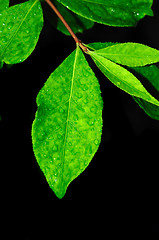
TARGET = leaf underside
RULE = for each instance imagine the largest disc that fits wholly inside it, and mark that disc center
(20, 26)
(67, 128)
(113, 13)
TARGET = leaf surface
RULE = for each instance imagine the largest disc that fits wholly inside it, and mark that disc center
(113, 13)
(130, 54)
(20, 26)
(122, 78)
(67, 128)
(4, 4)
(77, 23)
(150, 74)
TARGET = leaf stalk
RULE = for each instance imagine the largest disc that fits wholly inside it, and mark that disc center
(78, 42)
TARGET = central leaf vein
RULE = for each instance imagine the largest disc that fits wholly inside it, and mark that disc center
(14, 34)
(68, 112)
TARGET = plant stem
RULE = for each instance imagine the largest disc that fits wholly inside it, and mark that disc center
(85, 49)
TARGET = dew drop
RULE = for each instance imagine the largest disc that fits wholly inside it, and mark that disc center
(10, 25)
(79, 95)
(88, 149)
(84, 87)
(4, 39)
(55, 148)
(75, 117)
(85, 100)
(90, 123)
(118, 83)
(62, 110)
(93, 109)
(137, 14)
(96, 142)
(70, 144)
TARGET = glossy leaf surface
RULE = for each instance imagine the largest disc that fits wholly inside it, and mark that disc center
(20, 26)
(130, 54)
(77, 23)
(111, 12)
(151, 74)
(4, 4)
(148, 75)
(122, 78)
(67, 129)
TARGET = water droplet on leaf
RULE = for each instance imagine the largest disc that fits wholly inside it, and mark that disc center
(10, 25)
(55, 148)
(96, 142)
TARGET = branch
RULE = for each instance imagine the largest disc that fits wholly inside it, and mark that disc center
(84, 48)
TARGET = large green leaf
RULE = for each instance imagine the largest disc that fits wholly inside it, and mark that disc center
(20, 27)
(111, 12)
(122, 78)
(67, 128)
(130, 54)
(4, 4)
(77, 23)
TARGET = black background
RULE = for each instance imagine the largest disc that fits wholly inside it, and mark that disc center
(117, 195)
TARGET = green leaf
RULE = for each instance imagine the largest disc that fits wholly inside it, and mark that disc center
(122, 78)
(20, 27)
(67, 128)
(150, 109)
(113, 13)
(4, 4)
(1, 64)
(130, 54)
(99, 45)
(151, 74)
(77, 23)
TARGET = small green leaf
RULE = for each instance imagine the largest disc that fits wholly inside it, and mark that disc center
(151, 74)
(20, 27)
(67, 128)
(130, 54)
(4, 4)
(77, 23)
(122, 78)
(111, 12)
(149, 108)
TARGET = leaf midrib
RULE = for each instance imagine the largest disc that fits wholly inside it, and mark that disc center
(125, 55)
(14, 34)
(157, 104)
(68, 112)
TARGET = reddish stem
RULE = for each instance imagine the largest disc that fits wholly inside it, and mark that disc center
(85, 49)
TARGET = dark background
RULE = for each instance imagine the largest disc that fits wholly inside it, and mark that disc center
(117, 195)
